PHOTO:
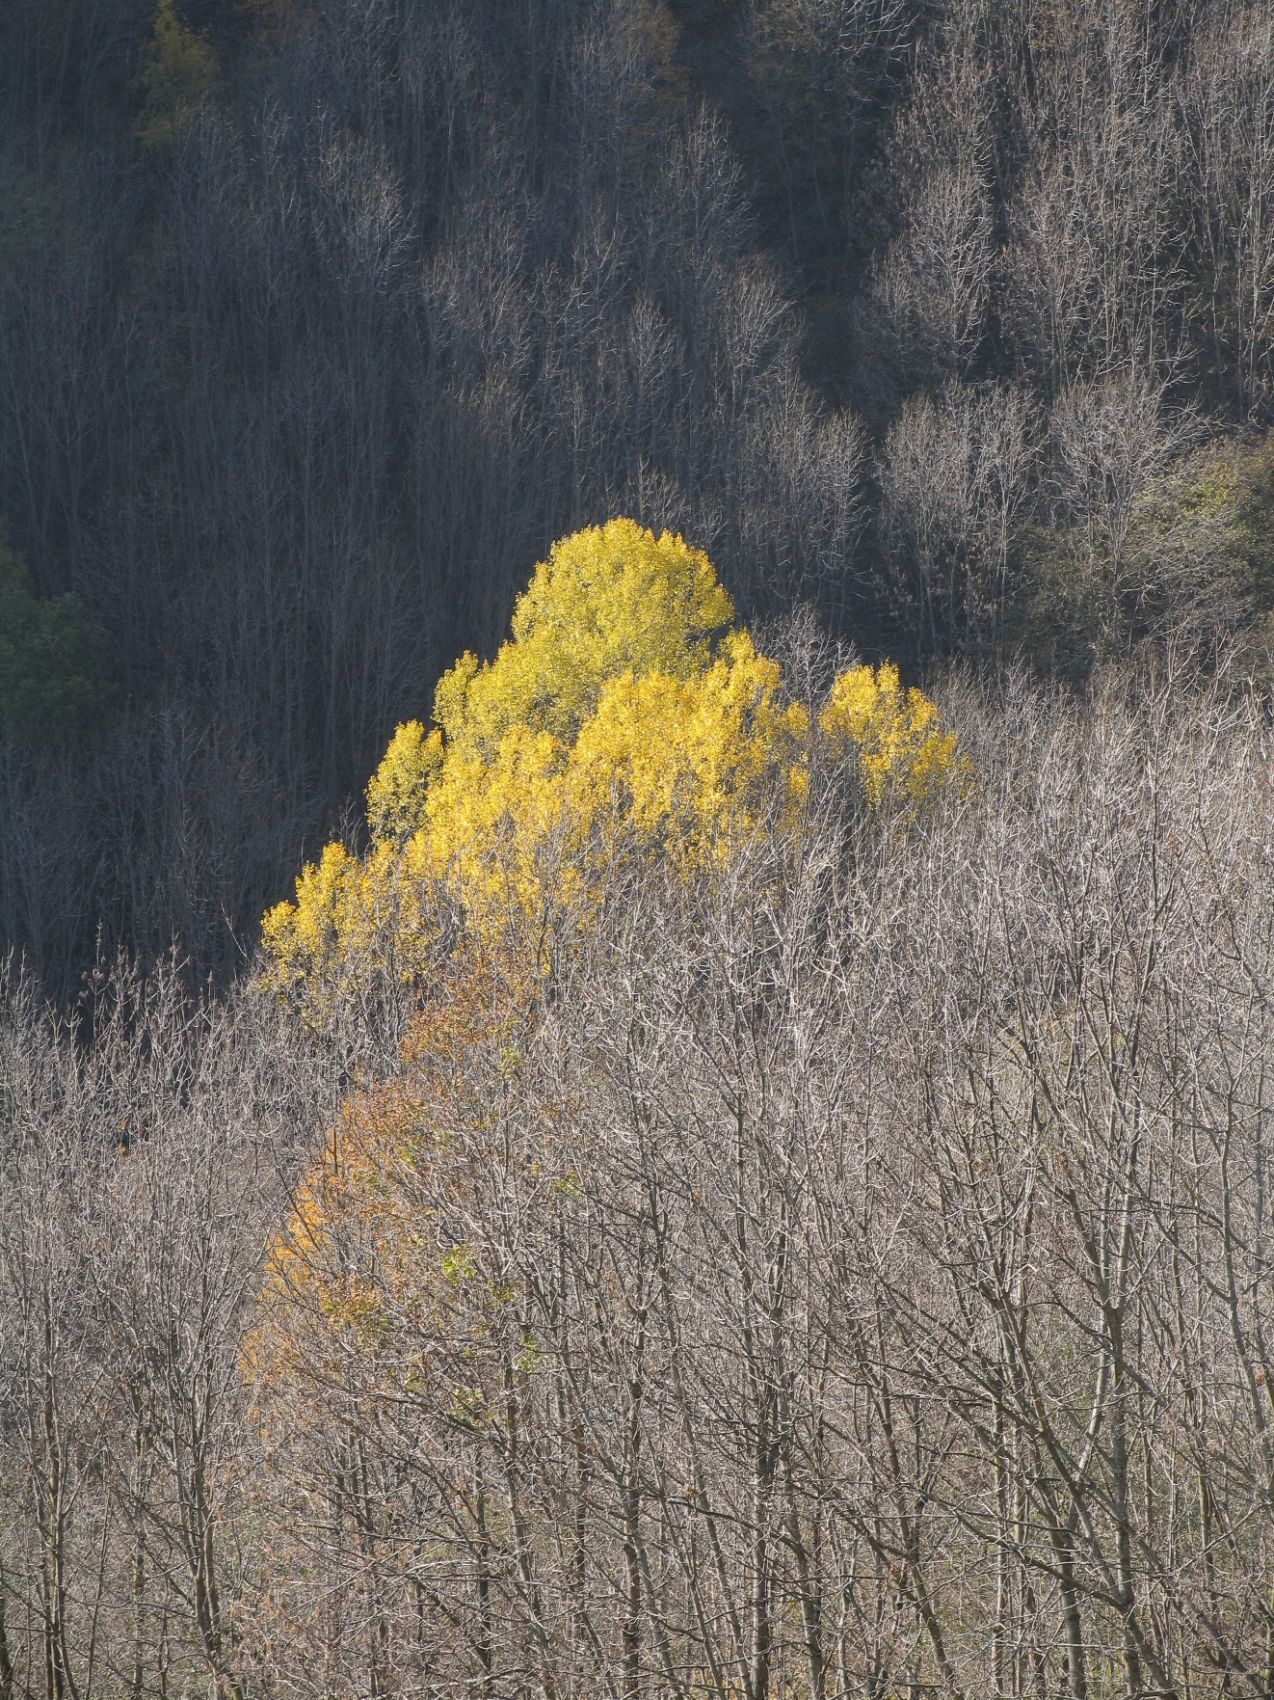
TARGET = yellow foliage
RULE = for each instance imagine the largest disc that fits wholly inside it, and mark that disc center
(396, 791)
(347, 913)
(623, 712)
(180, 74)
(610, 599)
(693, 763)
(896, 734)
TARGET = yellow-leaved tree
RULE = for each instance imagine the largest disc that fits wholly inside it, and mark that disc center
(626, 715)
(627, 723)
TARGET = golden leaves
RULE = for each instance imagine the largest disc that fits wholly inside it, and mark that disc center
(896, 735)
(623, 714)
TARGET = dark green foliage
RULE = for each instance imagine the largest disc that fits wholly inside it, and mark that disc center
(53, 678)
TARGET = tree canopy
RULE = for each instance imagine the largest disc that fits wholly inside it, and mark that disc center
(627, 715)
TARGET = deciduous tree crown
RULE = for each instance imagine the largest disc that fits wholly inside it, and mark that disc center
(626, 713)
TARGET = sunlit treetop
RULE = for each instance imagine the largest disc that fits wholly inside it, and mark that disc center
(897, 735)
(611, 599)
(626, 714)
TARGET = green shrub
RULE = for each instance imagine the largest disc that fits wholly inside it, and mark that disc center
(53, 677)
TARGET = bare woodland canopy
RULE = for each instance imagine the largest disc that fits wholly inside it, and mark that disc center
(842, 1272)
(741, 1169)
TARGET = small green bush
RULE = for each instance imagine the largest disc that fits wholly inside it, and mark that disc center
(53, 676)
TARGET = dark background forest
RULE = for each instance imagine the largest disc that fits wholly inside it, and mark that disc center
(320, 319)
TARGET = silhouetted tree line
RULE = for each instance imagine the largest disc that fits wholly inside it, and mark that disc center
(319, 319)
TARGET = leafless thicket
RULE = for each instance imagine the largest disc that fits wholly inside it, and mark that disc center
(141, 1172)
(850, 1277)
(860, 1283)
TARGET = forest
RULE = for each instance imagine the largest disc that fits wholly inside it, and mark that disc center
(636, 849)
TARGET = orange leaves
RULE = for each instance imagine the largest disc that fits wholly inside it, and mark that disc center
(373, 1265)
